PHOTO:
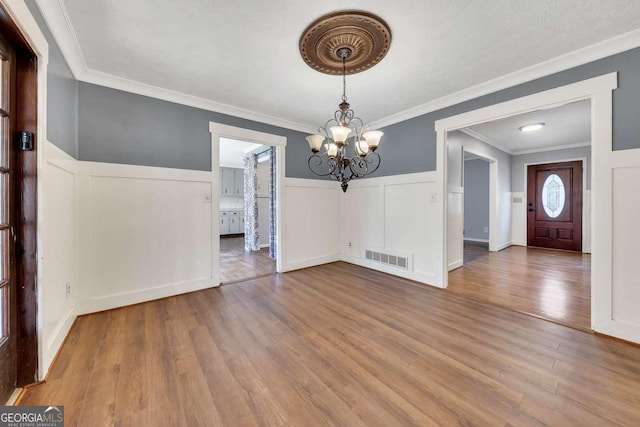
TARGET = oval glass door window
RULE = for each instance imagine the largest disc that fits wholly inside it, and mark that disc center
(553, 195)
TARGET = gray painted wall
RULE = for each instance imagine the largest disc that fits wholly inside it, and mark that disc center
(410, 146)
(518, 162)
(121, 127)
(476, 199)
(62, 93)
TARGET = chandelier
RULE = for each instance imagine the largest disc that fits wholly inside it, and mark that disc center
(342, 42)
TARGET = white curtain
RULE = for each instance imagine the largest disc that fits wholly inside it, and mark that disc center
(251, 231)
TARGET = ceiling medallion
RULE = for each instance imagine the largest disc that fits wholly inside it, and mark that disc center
(345, 43)
(364, 34)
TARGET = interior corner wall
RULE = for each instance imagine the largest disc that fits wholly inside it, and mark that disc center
(503, 196)
(476, 200)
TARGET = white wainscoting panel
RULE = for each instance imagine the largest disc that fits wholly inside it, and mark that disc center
(626, 235)
(503, 222)
(395, 213)
(362, 219)
(147, 234)
(518, 219)
(58, 252)
(312, 226)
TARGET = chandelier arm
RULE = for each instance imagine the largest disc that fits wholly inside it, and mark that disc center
(358, 167)
(319, 161)
(371, 158)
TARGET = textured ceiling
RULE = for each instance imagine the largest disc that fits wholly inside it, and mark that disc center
(565, 126)
(245, 54)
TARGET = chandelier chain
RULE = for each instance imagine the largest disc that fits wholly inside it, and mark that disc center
(344, 77)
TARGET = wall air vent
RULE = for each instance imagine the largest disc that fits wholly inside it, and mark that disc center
(392, 259)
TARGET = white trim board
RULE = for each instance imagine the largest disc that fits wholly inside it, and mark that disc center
(56, 16)
(599, 91)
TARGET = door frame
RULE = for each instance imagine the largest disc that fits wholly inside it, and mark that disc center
(455, 235)
(493, 195)
(31, 35)
(219, 130)
(586, 228)
(600, 91)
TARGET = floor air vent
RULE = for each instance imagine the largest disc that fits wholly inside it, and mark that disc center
(389, 259)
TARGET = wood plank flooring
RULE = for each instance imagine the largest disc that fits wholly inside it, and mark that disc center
(554, 285)
(336, 345)
(236, 264)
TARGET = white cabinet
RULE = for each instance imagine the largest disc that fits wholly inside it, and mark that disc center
(227, 182)
(234, 225)
(231, 222)
(239, 177)
(224, 223)
(232, 182)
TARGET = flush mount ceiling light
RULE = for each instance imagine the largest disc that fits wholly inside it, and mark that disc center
(344, 43)
(532, 127)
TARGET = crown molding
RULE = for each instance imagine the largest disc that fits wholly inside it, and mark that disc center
(481, 137)
(603, 49)
(552, 148)
(57, 18)
(108, 80)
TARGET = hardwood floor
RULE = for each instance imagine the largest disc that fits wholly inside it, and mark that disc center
(236, 264)
(550, 284)
(336, 345)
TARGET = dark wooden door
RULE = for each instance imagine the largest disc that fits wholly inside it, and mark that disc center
(8, 329)
(554, 205)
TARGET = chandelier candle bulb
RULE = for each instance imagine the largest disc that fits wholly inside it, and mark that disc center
(332, 150)
(315, 142)
(363, 147)
(373, 138)
(340, 134)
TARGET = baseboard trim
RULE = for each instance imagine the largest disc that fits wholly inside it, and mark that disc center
(309, 262)
(470, 239)
(504, 246)
(424, 278)
(124, 299)
(15, 396)
(57, 340)
(454, 265)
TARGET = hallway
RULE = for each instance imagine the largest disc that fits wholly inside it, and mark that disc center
(552, 285)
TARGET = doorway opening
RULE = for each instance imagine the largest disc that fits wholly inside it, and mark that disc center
(546, 209)
(247, 220)
(476, 206)
(244, 184)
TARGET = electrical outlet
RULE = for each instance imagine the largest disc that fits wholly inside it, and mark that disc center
(486, 229)
(349, 244)
(68, 290)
